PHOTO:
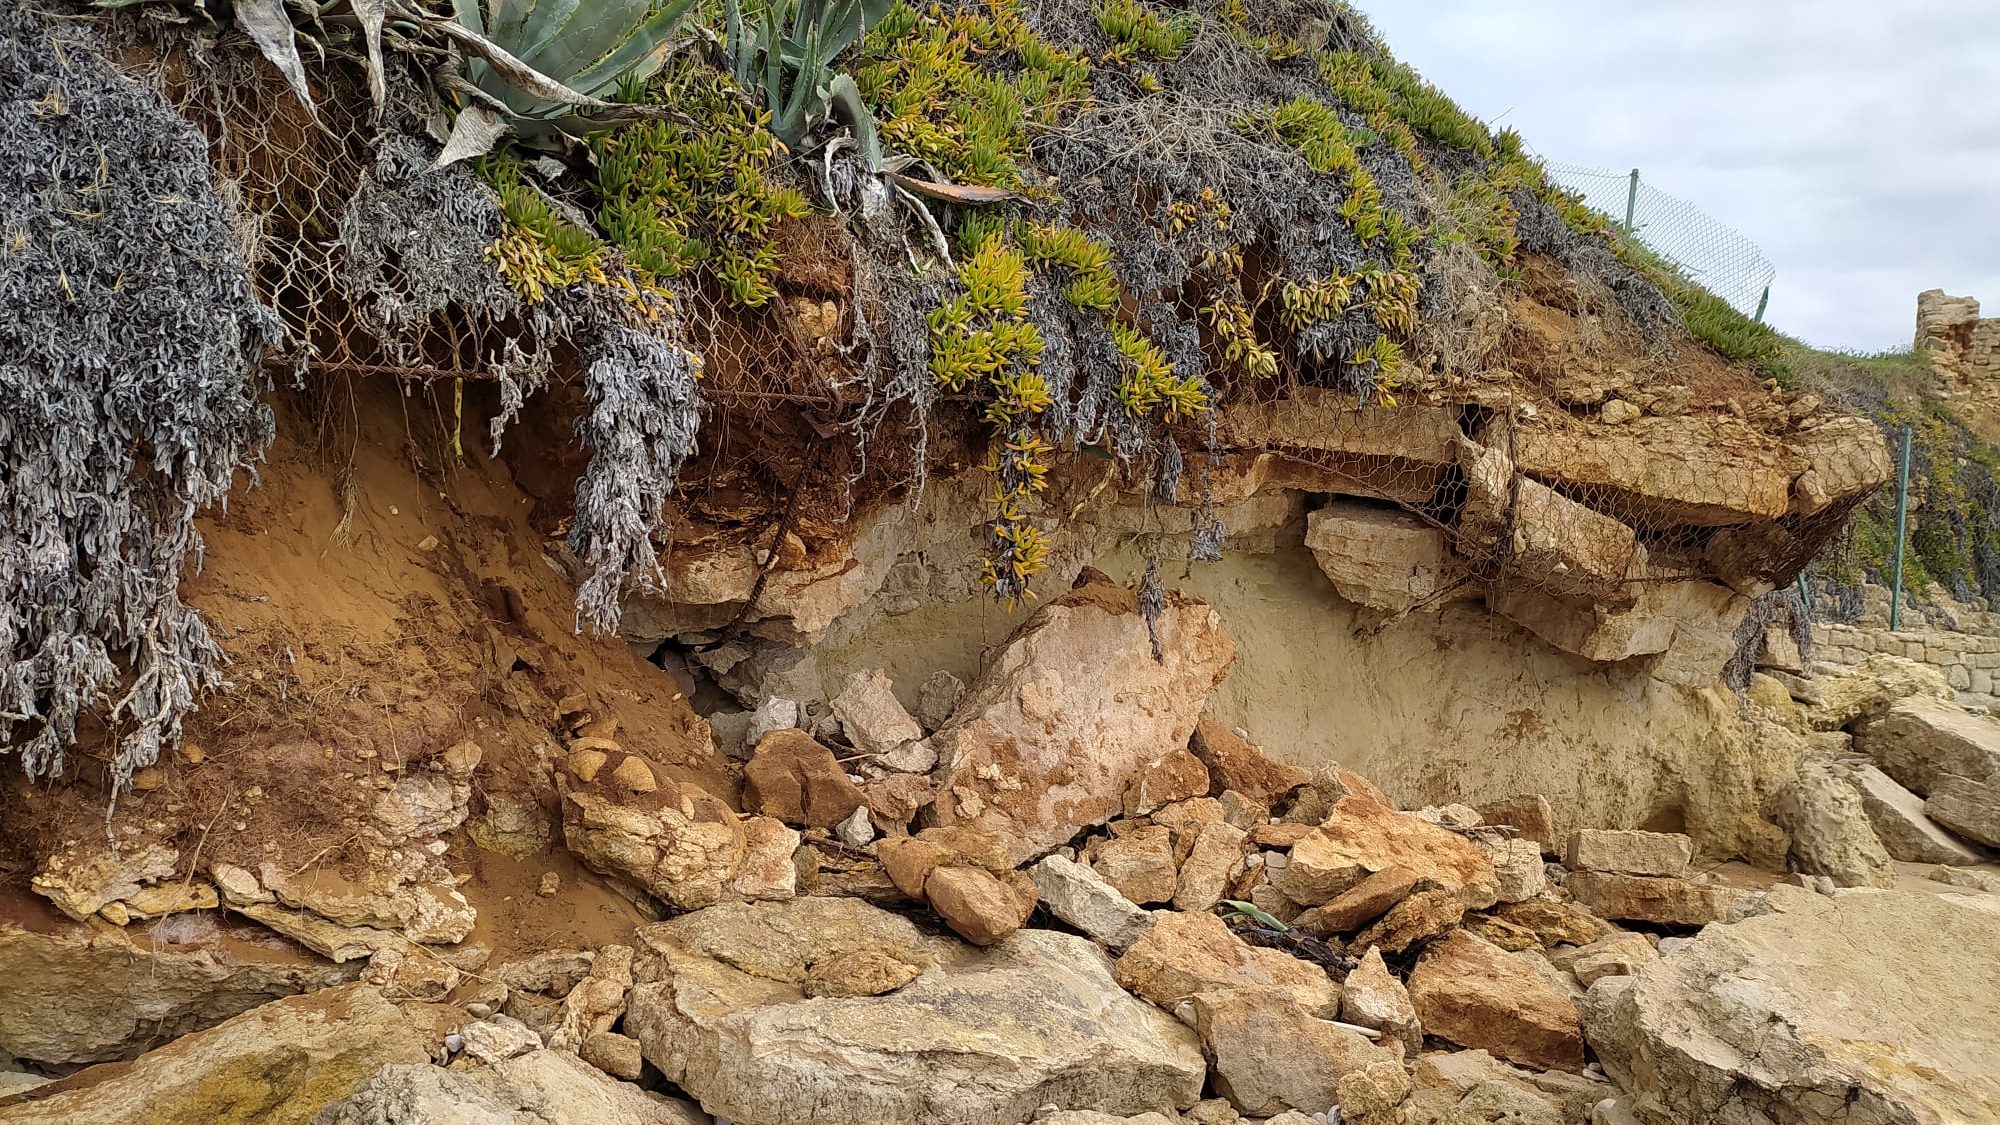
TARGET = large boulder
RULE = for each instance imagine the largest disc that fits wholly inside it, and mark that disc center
(1967, 807)
(1072, 712)
(1837, 697)
(71, 994)
(1475, 994)
(1379, 557)
(539, 1088)
(980, 1038)
(1906, 831)
(1920, 740)
(275, 1065)
(1647, 898)
(1269, 1054)
(677, 842)
(1867, 1006)
(1184, 955)
(1830, 828)
(1631, 852)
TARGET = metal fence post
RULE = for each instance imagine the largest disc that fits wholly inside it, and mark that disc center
(1763, 303)
(1631, 200)
(1902, 528)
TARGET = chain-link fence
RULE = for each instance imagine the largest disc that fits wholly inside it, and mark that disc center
(1713, 255)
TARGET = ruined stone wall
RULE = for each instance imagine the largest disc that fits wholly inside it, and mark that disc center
(1970, 661)
(1964, 347)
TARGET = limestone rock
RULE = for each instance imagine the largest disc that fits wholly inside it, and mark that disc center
(1415, 920)
(980, 906)
(1631, 852)
(1183, 955)
(1768, 1020)
(278, 1064)
(870, 715)
(1474, 1088)
(1705, 471)
(1268, 1054)
(787, 942)
(85, 878)
(1235, 763)
(1362, 837)
(679, 844)
(1566, 547)
(1970, 878)
(1969, 808)
(419, 806)
(498, 1038)
(1381, 558)
(1139, 863)
(1830, 829)
(382, 892)
(1517, 867)
(540, 1088)
(1919, 740)
(614, 1054)
(793, 778)
(773, 713)
(82, 995)
(1082, 898)
(1837, 698)
(1366, 901)
(1477, 995)
(1373, 1093)
(1529, 815)
(1544, 922)
(985, 1039)
(1644, 898)
(1216, 857)
(1901, 823)
(1372, 997)
(939, 696)
(1174, 776)
(894, 800)
(1071, 711)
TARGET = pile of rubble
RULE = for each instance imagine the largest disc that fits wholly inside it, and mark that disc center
(1063, 896)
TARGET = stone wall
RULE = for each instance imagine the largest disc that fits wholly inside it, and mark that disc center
(1964, 347)
(1969, 661)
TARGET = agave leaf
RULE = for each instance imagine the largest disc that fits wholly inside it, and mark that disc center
(1256, 914)
(474, 133)
(843, 99)
(971, 195)
(469, 16)
(505, 19)
(593, 32)
(509, 68)
(267, 22)
(641, 54)
(372, 13)
(544, 23)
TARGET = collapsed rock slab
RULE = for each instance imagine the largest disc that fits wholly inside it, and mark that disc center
(1769, 1019)
(1919, 740)
(679, 843)
(1836, 697)
(1830, 828)
(1529, 815)
(1694, 471)
(1905, 830)
(1269, 1054)
(1646, 898)
(871, 716)
(1475, 994)
(1071, 711)
(280, 1063)
(76, 995)
(1362, 837)
(1969, 808)
(1082, 898)
(1138, 862)
(1381, 558)
(1631, 852)
(985, 1038)
(539, 1088)
(1474, 1088)
(1372, 997)
(791, 777)
(1183, 955)
(1234, 762)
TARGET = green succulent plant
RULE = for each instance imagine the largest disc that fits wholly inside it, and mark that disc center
(787, 54)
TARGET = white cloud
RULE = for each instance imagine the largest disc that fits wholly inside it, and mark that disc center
(1856, 142)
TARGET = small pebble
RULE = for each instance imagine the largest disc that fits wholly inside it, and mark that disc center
(551, 883)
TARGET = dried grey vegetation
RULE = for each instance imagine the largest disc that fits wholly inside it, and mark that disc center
(1781, 606)
(127, 403)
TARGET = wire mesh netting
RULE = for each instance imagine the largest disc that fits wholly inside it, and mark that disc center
(1712, 254)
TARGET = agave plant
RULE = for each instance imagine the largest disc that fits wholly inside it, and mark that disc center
(788, 55)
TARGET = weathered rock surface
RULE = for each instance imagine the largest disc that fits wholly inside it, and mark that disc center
(1919, 740)
(1517, 867)
(1371, 996)
(678, 843)
(983, 1039)
(1475, 994)
(1836, 698)
(1864, 1007)
(78, 996)
(1269, 1054)
(1631, 852)
(1362, 837)
(1969, 808)
(980, 906)
(1830, 828)
(1183, 955)
(1644, 898)
(1071, 711)
(1697, 471)
(1216, 858)
(277, 1064)
(1906, 831)
(538, 1088)
(1081, 897)
(1382, 558)
(1474, 1088)
(1416, 919)
(1366, 901)
(1234, 762)
(1138, 862)
(793, 778)
(1529, 815)
(84, 879)
(870, 715)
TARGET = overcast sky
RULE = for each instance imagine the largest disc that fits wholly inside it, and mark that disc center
(1857, 142)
